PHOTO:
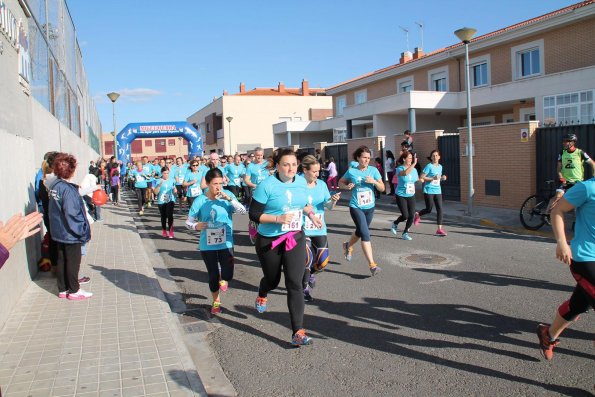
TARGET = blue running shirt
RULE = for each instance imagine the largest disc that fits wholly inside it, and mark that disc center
(431, 171)
(406, 187)
(582, 197)
(317, 197)
(218, 214)
(362, 195)
(166, 191)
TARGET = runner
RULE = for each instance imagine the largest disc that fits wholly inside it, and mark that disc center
(407, 175)
(211, 213)
(140, 185)
(361, 206)
(580, 256)
(570, 167)
(278, 205)
(431, 176)
(256, 172)
(192, 183)
(165, 192)
(235, 172)
(148, 172)
(320, 199)
(179, 173)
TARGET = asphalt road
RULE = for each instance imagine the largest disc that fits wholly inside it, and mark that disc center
(464, 325)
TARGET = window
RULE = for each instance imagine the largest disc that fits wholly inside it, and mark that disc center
(171, 142)
(361, 96)
(136, 147)
(527, 60)
(148, 142)
(480, 74)
(571, 108)
(160, 146)
(340, 104)
(404, 85)
(438, 79)
(108, 148)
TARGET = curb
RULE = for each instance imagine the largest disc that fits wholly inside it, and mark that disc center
(210, 380)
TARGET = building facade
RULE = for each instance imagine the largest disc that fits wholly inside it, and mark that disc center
(156, 148)
(243, 121)
(45, 105)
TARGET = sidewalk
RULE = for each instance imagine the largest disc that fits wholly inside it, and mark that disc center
(124, 341)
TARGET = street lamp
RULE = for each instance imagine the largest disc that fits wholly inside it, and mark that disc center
(113, 96)
(465, 35)
(229, 118)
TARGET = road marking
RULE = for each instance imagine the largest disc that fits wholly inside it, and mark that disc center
(438, 281)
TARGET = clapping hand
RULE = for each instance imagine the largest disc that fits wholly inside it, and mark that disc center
(19, 228)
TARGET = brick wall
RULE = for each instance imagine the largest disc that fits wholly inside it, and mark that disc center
(320, 114)
(501, 156)
(372, 142)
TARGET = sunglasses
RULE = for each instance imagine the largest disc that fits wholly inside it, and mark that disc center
(194, 165)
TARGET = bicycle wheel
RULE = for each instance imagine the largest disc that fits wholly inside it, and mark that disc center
(532, 212)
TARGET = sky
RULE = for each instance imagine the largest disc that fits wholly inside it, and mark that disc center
(168, 59)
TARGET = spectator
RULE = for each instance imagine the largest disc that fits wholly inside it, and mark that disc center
(17, 228)
(331, 168)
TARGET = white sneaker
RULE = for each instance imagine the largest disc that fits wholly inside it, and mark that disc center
(80, 295)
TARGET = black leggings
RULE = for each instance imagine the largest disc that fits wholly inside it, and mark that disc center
(235, 190)
(362, 220)
(247, 194)
(407, 208)
(69, 264)
(167, 213)
(583, 295)
(292, 263)
(436, 199)
(218, 258)
(115, 192)
(141, 197)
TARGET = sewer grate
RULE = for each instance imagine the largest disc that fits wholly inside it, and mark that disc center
(427, 260)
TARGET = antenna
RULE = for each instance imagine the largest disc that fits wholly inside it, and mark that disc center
(421, 29)
(406, 36)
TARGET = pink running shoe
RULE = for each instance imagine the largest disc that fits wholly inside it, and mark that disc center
(223, 285)
(416, 219)
(62, 294)
(440, 232)
(164, 233)
(80, 295)
(171, 232)
(252, 231)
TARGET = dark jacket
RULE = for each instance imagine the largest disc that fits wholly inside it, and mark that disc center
(68, 218)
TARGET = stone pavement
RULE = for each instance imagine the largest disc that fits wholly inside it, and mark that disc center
(124, 341)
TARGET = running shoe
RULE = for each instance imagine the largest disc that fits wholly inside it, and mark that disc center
(394, 228)
(261, 304)
(375, 269)
(149, 204)
(141, 212)
(301, 339)
(164, 233)
(546, 344)
(223, 285)
(216, 308)
(406, 236)
(307, 295)
(62, 294)
(84, 280)
(416, 219)
(312, 281)
(252, 231)
(348, 252)
(80, 295)
(171, 232)
(440, 232)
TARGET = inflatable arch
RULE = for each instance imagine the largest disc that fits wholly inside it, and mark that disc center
(168, 129)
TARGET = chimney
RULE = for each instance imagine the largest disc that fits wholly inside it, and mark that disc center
(242, 88)
(224, 92)
(281, 87)
(405, 57)
(418, 53)
(305, 88)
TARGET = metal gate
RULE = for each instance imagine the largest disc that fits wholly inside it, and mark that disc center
(339, 153)
(448, 145)
(549, 145)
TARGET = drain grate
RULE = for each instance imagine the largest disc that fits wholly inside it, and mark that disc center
(427, 260)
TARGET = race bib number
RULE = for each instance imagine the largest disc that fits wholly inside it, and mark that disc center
(236, 181)
(296, 222)
(435, 182)
(164, 198)
(140, 178)
(309, 225)
(364, 197)
(216, 236)
(410, 188)
(195, 191)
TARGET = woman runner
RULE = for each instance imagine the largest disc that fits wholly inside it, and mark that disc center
(165, 192)
(140, 185)
(363, 179)
(432, 176)
(320, 199)
(407, 175)
(192, 181)
(278, 205)
(211, 214)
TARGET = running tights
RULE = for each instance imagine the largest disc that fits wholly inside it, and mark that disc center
(214, 260)
(276, 260)
(362, 220)
(583, 295)
(317, 256)
(407, 208)
(141, 196)
(430, 200)
(167, 214)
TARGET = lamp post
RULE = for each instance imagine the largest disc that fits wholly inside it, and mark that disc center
(229, 118)
(113, 96)
(465, 35)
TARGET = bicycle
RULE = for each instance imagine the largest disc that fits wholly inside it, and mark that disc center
(533, 212)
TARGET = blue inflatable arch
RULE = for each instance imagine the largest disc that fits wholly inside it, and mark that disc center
(167, 129)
